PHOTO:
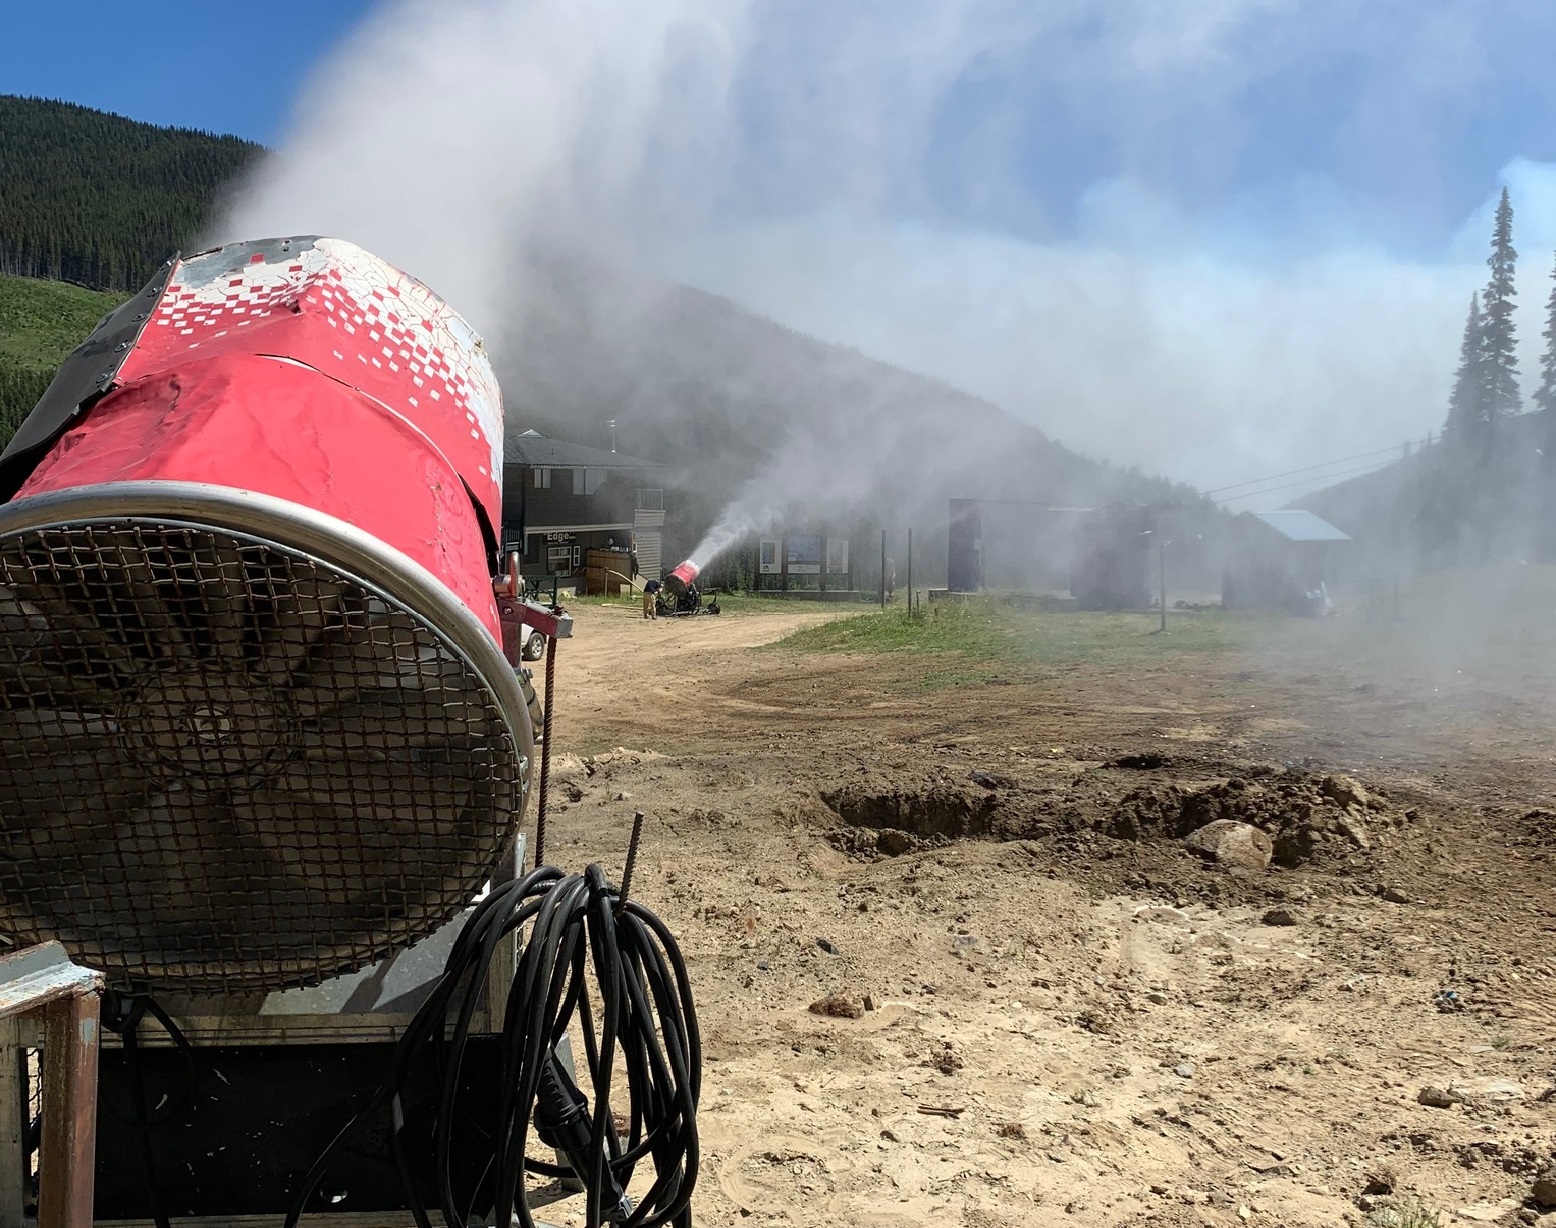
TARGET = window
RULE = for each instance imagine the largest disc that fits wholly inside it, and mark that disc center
(542, 479)
(650, 500)
(578, 481)
(593, 480)
(559, 558)
(577, 556)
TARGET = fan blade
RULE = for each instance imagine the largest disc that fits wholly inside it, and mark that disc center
(29, 732)
(202, 886)
(385, 661)
(396, 793)
(54, 811)
(224, 591)
(204, 586)
(75, 631)
(325, 850)
(291, 618)
(394, 720)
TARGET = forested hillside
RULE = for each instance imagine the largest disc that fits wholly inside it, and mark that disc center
(100, 200)
(40, 323)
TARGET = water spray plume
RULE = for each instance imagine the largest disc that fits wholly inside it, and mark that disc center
(794, 158)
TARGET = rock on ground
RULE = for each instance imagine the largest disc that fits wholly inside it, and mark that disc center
(1239, 846)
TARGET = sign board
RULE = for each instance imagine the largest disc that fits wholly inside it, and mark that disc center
(560, 537)
(837, 556)
(804, 556)
(769, 561)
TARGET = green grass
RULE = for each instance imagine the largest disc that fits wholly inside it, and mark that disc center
(986, 640)
(42, 321)
(729, 604)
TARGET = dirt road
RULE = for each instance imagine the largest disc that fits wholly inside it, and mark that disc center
(1063, 1016)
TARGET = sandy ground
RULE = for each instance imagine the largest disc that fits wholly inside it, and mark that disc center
(1071, 1018)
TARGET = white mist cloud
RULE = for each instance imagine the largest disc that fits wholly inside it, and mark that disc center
(1186, 362)
(448, 134)
(1143, 225)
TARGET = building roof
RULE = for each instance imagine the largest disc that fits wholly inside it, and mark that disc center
(1299, 526)
(535, 450)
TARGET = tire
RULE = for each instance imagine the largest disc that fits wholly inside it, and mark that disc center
(535, 646)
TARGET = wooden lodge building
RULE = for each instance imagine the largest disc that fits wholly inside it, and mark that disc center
(563, 500)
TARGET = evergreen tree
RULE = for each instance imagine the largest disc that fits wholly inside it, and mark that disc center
(1465, 401)
(101, 200)
(1499, 357)
(1545, 394)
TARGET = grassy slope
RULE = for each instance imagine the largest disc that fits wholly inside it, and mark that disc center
(42, 321)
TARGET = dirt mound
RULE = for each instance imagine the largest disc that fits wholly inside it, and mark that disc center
(1304, 816)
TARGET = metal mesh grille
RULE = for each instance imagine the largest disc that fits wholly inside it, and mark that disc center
(226, 765)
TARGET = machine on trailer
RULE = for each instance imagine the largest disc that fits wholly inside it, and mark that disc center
(680, 594)
(264, 738)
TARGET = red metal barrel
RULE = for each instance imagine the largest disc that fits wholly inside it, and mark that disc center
(312, 371)
(682, 578)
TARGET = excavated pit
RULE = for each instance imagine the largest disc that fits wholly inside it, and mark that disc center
(1305, 816)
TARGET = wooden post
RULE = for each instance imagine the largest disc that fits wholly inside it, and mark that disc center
(883, 571)
(910, 570)
(68, 1149)
(40, 982)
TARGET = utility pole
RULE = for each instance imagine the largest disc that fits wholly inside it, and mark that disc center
(910, 571)
(613, 434)
(1161, 574)
(883, 571)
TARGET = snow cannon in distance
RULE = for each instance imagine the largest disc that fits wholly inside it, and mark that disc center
(682, 579)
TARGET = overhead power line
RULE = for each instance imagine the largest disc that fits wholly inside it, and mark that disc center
(1344, 460)
(1343, 475)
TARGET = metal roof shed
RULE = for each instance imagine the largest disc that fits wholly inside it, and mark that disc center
(1300, 526)
(1282, 562)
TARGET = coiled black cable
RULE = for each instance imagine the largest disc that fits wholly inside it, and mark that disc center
(123, 1012)
(583, 936)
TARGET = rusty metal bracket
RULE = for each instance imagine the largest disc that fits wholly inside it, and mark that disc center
(40, 985)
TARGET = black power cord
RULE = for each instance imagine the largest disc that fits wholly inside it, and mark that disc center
(123, 1012)
(587, 944)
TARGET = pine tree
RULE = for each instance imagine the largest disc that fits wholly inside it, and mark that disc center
(1545, 394)
(1464, 402)
(1499, 342)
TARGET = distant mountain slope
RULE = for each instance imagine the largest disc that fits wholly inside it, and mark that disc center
(726, 395)
(98, 199)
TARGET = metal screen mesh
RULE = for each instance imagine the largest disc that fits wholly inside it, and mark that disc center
(226, 765)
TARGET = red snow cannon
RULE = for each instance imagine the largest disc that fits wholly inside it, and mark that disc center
(256, 723)
(683, 578)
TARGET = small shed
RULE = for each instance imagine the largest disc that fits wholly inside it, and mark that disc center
(1282, 562)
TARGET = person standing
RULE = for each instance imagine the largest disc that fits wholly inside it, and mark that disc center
(650, 602)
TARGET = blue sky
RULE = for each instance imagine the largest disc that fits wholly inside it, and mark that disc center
(229, 66)
(1209, 237)
(1387, 119)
